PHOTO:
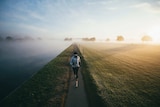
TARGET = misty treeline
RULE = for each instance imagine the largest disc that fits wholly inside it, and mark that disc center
(10, 38)
(119, 38)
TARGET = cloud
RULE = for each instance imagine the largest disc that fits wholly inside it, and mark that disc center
(97, 2)
(33, 28)
(108, 5)
(141, 5)
(153, 7)
(112, 8)
(35, 15)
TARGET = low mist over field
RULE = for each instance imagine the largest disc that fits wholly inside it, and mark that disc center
(19, 60)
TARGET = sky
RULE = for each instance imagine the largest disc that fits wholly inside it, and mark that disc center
(81, 18)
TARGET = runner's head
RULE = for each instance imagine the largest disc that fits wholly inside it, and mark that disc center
(75, 53)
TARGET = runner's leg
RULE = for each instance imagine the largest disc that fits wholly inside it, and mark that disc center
(74, 71)
(77, 76)
(77, 72)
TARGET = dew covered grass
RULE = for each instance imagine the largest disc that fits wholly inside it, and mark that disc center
(126, 75)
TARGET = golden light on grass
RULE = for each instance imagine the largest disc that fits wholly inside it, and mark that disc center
(125, 74)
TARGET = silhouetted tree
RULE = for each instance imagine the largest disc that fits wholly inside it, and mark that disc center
(89, 39)
(120, 38)
(146, 38)
(67, 39)
(92, 39)
(9, 38)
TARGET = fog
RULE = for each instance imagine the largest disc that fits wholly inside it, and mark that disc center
(19, 60)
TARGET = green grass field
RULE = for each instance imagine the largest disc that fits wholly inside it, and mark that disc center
(47, 88)
(126, 75)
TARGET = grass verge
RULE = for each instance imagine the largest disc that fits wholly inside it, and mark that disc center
(123, 75)
(47, 88)
(91, 89)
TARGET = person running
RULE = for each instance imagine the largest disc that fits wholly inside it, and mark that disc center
(75, 63)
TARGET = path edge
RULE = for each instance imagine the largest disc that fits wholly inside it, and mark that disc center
(94, 99)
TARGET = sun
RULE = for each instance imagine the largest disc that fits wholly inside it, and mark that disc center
(155, 34)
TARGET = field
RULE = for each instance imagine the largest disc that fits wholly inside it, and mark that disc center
(126, 75)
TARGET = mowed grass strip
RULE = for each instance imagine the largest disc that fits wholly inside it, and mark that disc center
(47, 88)
(126, 75)
(94, 100)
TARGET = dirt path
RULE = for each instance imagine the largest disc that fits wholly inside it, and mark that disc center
(76, 96)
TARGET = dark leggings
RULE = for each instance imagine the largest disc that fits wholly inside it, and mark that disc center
(75, 70)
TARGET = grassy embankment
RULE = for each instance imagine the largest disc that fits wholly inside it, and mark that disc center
(124, 75)
(47, 88)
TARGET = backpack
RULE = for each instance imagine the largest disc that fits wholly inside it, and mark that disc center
(74, 60)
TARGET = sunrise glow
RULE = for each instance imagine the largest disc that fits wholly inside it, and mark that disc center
(155, 34)
(82, 18)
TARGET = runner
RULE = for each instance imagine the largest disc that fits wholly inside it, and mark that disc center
(75, 63)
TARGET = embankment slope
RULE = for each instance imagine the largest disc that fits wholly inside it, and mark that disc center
(46, 88)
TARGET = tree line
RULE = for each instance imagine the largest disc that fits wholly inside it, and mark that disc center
(10, 38)
(119, 38)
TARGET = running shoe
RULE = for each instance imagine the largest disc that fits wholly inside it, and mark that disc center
(76, 84)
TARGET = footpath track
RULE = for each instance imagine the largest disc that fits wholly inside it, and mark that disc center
(76, 96)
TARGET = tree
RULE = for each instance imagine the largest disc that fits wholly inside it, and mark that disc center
(67, 39)
(146, 38)
(92, 39)
(120, 38)
(9, 38)
(89, 39)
